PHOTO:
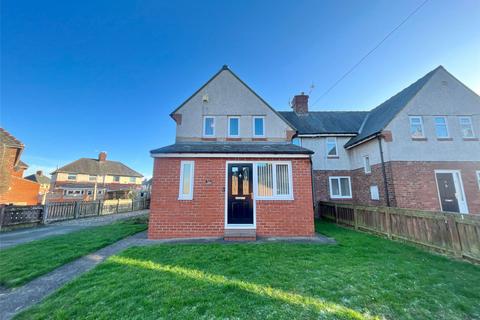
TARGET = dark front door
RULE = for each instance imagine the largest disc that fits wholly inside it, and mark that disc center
(447, 191)
(240, 191)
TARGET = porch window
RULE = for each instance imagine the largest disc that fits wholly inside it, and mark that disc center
(340, 187)
(441, 127)
(186, 180)
(467, 127)
(209, 126)
(332, 147)
(274, 181)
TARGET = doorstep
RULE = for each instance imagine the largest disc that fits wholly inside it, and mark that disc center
(240, 234)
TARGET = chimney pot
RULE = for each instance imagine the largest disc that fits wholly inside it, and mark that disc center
(102, 156)
(300, 103)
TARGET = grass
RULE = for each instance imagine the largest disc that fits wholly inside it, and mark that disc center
(362, 277)
(28, 261)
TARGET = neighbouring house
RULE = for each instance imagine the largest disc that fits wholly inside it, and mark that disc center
(42, 180)
(419, 149)
(94, 179)
(233, 171)
(14, 189)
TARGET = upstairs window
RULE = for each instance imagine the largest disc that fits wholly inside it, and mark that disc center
(340, 188)
(297, 142)
(72, 177)
(332, 147)
(233, 126)
(466, 126)
(441, 128)
(186, 180)
(416, 127)
(209, 126)
(116, 178)
(92, 178)
(274, 181)
(259, 127)
(133, 179)
(366, 164)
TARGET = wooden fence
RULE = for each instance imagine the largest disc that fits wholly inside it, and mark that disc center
(452, 233)
(11, 216)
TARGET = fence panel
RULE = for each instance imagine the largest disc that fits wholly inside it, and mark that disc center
(58, 211)
(17, 215)
(457, 234)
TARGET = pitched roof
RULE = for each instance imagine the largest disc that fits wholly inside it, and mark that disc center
(22, 164)
(378, 118)
(325, 122)
(9, 140)
(233, 147)
(226, 68)
(38, 178)
(96, 167)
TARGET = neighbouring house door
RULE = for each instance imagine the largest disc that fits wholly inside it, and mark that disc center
(240, 194)
(450, 191)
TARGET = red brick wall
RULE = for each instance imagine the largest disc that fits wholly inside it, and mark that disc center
(204, 216)
(411, 184)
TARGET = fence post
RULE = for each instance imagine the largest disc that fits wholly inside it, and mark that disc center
(355, 217)
(133, 205)
(452, 228)
(2, 215)
(45, 213)
(388, 225)
(336, 213)
(118, 203)
(75, 210)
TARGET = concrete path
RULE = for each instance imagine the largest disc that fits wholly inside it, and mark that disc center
(12, 301)
(13, 238)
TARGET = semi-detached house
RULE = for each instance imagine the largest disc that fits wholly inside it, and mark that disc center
(241, 169)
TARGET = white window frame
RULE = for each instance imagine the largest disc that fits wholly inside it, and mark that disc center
(299, 141)
(470, 120)
(274, 195)
(377, 193)
(204, 126)
(71, 174)
(336, 147)
(478, 179)
(339, 187)
(189, 196)
(132, 178)
(116, 181)
(367, 169)
(253, 127)
(446, 127)
(421, 125)
(229, 133)
(92, 177)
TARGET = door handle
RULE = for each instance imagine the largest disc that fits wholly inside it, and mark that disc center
(448, 200)
(239, 198)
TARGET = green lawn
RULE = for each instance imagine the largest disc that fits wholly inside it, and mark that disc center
(25, 262)
(362, 277)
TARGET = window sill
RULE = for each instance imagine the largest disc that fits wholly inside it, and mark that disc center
(185, 199)
(274, 198)
(444, 139)
(259, 139)
(234, 139)
(470, 139)
(209, 139)
(419, 139)
(333, 157)
(341, 198)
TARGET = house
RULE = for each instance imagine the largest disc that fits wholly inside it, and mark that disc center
(92, 179)
(42, 180)
(233, 171)
(419, 149)
(14, 189)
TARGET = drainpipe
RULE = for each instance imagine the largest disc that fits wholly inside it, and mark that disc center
(384, 172)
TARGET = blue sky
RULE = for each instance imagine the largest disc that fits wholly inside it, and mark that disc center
(78, 77)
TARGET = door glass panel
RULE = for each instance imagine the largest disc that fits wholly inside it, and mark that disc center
(246, 181)
(234, 181)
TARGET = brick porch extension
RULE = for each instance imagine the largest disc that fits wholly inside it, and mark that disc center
(204, 216)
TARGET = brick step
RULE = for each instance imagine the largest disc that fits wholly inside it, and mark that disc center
(240, 235)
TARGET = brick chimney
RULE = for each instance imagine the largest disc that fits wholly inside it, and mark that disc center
(39, 173)
(102, 156)
(300, 103)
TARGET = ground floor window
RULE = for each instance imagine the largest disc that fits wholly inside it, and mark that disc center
(340, 188)
(374, 194)
(186, 180)
(274, 180)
